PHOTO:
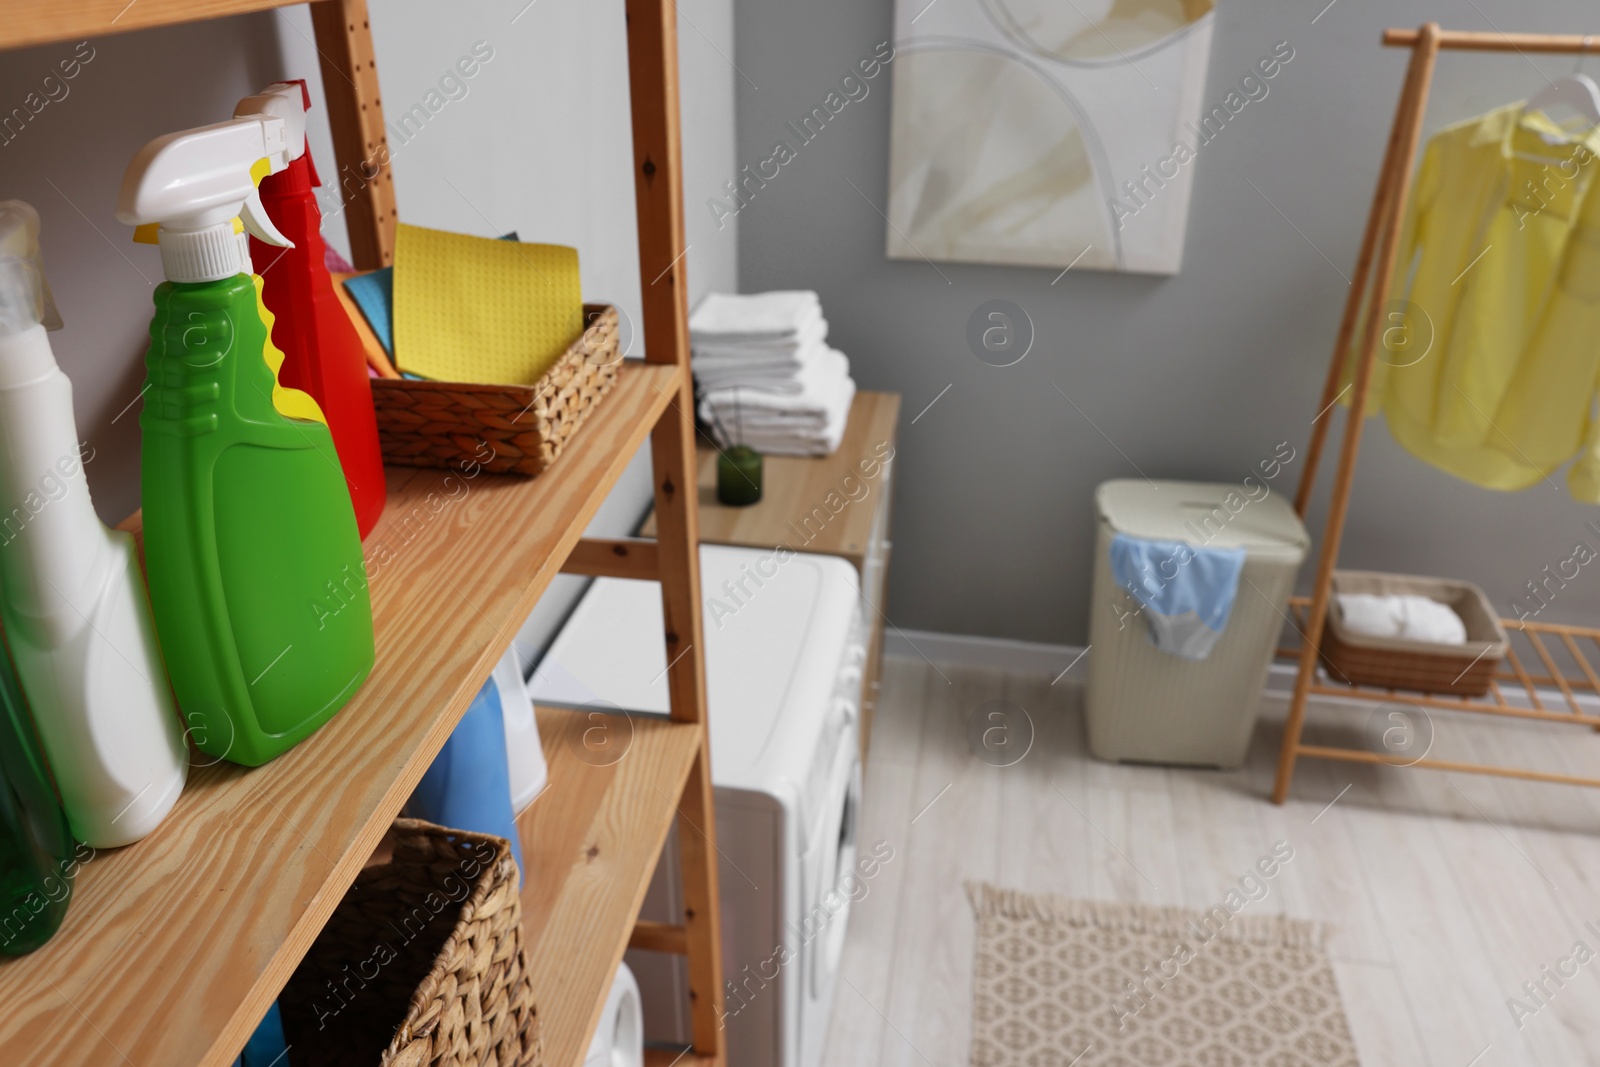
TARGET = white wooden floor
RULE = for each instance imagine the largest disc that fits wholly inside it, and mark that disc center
(1448, 891)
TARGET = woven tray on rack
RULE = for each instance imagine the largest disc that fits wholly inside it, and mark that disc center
(1396, 663)
(503, 428)
(421, 964)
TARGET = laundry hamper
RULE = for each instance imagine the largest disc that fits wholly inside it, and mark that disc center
(1146, 705)
(421, 964)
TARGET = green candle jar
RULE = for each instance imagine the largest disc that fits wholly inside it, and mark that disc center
(739, 476)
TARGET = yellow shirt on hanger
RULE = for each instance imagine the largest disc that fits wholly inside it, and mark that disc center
(1490, 347)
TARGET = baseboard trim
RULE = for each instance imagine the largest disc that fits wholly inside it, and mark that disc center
(1069, 664)
(970, 650)
(1031, 657)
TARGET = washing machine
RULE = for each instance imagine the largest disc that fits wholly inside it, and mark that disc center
(784, 647)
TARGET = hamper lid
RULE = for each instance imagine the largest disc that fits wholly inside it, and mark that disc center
(1250, 514)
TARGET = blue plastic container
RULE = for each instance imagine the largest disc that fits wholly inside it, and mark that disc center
(468, 786)
(266, 1047)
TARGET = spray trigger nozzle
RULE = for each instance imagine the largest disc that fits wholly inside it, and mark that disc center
(24, 293)
(258, 225)
(196, 183)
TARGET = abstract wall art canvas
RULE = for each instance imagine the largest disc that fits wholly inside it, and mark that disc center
(1046, 133)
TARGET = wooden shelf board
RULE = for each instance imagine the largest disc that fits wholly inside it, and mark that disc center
(174, 947)
(590, 844)
(795, 486)
(73, 20)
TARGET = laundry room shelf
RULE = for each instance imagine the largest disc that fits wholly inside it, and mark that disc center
(174, 947)
(73, 20)
(590, 844)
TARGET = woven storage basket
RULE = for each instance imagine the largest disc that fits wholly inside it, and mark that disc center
(421, 964)
(1396, 663)
(525, 427)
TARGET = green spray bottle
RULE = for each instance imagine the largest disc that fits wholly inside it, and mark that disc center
(256, 576)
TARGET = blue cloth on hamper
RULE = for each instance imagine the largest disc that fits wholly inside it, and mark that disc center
(1186, 593)
(468, 787)
(266, 1047)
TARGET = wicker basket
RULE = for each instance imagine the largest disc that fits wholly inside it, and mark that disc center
(421, 964)
(503, 428)
(1396, 663)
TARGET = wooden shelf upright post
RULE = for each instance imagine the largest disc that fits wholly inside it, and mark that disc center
(658, 196)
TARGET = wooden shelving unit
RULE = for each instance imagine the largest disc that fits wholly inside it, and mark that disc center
(174, 947)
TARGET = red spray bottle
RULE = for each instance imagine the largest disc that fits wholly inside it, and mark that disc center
(322, 352)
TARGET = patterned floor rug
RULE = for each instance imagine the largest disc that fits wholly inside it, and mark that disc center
(1076, 983)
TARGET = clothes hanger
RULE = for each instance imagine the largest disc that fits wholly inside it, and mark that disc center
(1576, 91)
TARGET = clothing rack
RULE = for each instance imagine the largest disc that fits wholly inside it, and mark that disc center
(1376, 264)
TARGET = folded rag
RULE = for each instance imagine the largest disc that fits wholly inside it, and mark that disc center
(1187, 593)
(374, 295)
(756, 316)
(1407, 616)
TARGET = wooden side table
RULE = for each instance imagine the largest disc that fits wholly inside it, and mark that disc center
(834, 505)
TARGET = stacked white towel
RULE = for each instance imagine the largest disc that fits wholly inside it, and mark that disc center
(765, 374)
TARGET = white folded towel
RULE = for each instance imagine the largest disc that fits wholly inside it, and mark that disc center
(810, 422)
(778, 374)
(812, 387)
(718, 349)
(1411, 617)
(755, 316)
(790, 442)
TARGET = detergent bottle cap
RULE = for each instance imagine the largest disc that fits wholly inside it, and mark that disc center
(24, 293)
(194, 193)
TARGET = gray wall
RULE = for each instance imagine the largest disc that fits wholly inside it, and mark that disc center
(1196, 376)
(538, 142)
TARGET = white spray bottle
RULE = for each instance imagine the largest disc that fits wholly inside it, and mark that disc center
(77, 617)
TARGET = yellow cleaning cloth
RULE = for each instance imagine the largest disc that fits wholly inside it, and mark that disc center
(474, 309)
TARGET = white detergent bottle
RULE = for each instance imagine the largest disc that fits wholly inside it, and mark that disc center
(77, 617)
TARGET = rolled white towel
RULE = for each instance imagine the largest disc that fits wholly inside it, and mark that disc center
(1429, 620)
(1407, 616)
(1370, 614)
